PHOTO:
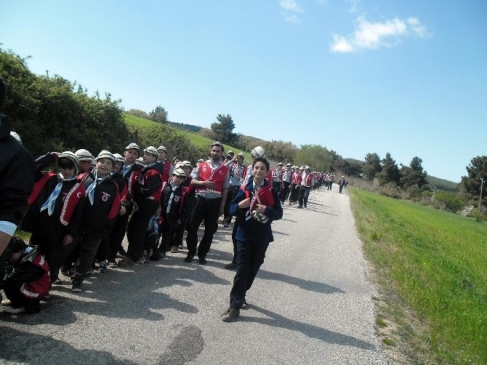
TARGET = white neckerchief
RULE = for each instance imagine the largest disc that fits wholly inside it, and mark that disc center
(171, 197)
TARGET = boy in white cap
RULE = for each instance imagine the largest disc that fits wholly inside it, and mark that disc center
(147, 196)
(130, 173)
(174, 208)
(85, 158)
(100, 210)
(168, 167)
(55, 208)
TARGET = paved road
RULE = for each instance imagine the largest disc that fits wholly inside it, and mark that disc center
(310, 304)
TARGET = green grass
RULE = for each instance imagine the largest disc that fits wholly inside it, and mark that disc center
(436, 263)
(195, 139)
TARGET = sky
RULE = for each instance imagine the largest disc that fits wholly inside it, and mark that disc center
(407, 78)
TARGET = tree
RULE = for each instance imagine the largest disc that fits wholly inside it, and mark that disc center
(139, 113)
(413, 174)
(477, 170)
(319, 158)
(390, 171)
(159, 115)
(372, 166)
(223, 129)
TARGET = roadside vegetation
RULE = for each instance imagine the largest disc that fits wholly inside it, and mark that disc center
(431, 268)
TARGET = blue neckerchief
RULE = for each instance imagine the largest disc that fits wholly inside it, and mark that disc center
(50, 203)
(90, 190)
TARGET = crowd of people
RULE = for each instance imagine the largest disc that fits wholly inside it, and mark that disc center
(79, 214)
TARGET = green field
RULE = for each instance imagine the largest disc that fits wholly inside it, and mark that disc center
(195, 139)
(432, 264)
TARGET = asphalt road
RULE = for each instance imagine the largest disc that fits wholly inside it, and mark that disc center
(311, 303)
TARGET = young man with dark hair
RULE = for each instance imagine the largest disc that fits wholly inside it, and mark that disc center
(211, 182)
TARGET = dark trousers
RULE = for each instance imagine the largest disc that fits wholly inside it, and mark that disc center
(55, 253)
(118, 233)
(250, 256)
(284, 191)
(136, 234)
(293, 197)
(178, 233)
(167, 238)
(303, 195)
(234, 240)
(12, 291)
(88, 247)
(231, 194)
(277, 185)
(209, 211)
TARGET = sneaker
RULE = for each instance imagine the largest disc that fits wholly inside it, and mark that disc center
(230, 315)
(6, 302)
(57, 281)
(245, 305)
(69, 272)
(13, 310)
(76, 285)
(112, 263)
(231, 266)
(226, 224)
(102, 266)
(174, 249)
(181, 247)
(91, 271)
(142, 260)
(125, 262)
(202, 260)
(188, 258)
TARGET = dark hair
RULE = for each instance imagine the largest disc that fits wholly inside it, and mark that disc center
(15, 245)
(66, 163)
(3, 92)
(176, 158)
(263, 160)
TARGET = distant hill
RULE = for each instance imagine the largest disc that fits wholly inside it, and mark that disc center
(187, 127)
(443, 184)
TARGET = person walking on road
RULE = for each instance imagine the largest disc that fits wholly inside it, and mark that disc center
(258, 205)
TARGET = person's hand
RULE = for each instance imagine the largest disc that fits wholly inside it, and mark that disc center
(67, 239)
(123, 210)
(244, 203)
(209, 184)
(55, 154)
(261, 208)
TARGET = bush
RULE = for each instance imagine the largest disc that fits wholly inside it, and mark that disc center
(447, 201)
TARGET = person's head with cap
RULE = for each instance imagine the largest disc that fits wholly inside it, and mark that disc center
(150, 155)
(161, 153)
(307, 168)
(104, 163)
(229, 155)
(216, 151)
(176, 160)
(16, 136)
(187, 167)
(200, 161)
(240, 158)
(119, 160)
(85, 158)
(140, 162)
(178, 176)
(68, 164)
(131, 153)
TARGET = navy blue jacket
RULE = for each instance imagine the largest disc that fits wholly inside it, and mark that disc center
(250, 230)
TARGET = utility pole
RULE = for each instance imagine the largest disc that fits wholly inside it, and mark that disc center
(481, 187)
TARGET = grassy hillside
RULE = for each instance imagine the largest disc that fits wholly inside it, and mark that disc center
(432, 263)
(195, 139)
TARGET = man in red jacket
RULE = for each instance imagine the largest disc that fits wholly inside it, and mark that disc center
(211, 183)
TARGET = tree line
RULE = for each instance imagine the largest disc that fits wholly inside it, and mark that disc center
(54, 114)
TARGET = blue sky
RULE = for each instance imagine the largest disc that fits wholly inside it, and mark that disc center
(355, 76)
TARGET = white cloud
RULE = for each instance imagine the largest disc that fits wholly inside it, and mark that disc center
(374, 35)
(290, 5)
(354, 5)
(291, 10)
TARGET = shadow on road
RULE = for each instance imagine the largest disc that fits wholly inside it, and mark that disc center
(309, 330)
(303, 284)
(26, 348)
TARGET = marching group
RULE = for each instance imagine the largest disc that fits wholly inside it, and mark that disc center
(79, 215)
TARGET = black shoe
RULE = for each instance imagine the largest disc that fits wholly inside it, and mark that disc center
(202, 260)
(230, 315)
(300, 207)
(188, 258)
(76, 287)
(245, 305)
(231, 266)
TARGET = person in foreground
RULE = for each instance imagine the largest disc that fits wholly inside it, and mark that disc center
(258, 205)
